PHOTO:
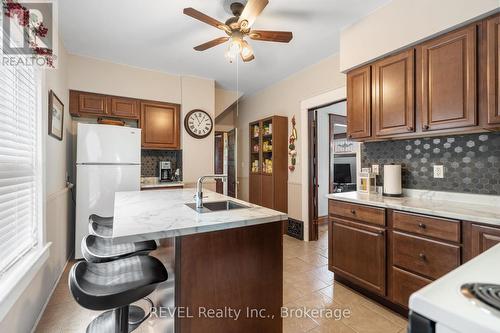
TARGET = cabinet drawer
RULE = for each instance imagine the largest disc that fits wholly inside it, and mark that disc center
(358, 212)
(404, 284)
(427, 257)
(428, 226)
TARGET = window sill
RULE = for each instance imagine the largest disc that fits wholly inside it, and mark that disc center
(15, 282)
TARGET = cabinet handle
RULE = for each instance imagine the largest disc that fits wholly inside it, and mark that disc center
(409, 128)
(350, 136)
(422, 226)
(426, 127)
(353, 212)
(380, 232)
(422, 256)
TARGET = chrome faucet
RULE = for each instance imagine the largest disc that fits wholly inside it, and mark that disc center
(198, 197)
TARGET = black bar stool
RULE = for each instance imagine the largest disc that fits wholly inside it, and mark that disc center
(101, 226)
(99, 249)
(113, 286)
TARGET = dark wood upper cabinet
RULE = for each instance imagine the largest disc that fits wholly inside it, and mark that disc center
(394, 95)
(447, 88)
(84, 104)
(493, 69)
(124, 107)
(94, 104)
(359, 103)
(160, 124)
(359, 253)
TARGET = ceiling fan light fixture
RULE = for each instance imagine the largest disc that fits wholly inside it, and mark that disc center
(246, 51)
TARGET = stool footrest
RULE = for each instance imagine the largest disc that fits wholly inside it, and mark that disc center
(106, 322)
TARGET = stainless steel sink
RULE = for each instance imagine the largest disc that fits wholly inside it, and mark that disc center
(216, 206)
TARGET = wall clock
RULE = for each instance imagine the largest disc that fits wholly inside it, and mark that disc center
(198, 124)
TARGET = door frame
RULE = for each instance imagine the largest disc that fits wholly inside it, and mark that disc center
(312, 197)
(327, 98)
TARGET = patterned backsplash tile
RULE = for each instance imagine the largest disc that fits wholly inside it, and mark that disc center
(471, 162)
(151, 158)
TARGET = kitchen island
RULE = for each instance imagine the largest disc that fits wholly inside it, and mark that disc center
(225, 267)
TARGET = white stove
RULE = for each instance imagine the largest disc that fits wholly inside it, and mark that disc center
(466, 300)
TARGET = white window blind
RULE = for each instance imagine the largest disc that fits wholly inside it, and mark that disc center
(19, 163)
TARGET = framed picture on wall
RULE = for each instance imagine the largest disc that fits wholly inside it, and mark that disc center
(56, 116)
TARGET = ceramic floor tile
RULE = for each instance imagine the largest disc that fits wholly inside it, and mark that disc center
(307, 283)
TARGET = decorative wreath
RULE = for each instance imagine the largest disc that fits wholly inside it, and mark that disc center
(291, 146)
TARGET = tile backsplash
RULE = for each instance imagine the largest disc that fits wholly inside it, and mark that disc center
(151, 158)
(471, 162)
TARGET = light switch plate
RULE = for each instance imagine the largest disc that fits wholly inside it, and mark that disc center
(375, 169)
(438, 171)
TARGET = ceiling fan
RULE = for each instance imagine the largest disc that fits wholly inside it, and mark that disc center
(238, 28)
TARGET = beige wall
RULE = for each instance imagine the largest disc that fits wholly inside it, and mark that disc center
(404, 22)
(284, 98)
(93, 75)
(225, 122)
(224, 99)
(197, 155)
(88, 74)
(58, 209)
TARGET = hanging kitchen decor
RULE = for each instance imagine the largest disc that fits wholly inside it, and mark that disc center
(291, 146)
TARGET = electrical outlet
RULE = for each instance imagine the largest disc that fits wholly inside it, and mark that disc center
(438, 171)
(375, 169)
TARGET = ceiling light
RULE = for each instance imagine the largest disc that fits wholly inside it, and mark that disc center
(246, 51)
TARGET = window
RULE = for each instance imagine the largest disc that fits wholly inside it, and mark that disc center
(20, 164)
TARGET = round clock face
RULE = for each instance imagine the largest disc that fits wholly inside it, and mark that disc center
(198, 124)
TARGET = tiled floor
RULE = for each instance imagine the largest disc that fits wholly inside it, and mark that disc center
(307, 284)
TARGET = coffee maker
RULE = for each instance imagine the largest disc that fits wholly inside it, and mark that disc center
(165, 168)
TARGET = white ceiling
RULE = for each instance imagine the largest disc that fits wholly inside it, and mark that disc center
(154, 34)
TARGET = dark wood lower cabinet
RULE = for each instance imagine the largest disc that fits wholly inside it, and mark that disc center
(367, 245)
(483, 238)
(389, 255)
(255, 189)
(240, 269)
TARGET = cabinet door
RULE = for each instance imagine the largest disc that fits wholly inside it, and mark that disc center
(160, 125)
(93, 104)
(358, 253)
(124, 107)
(267, 191)
(448, 80)
(493, 69)
(483, 238)
(394, 97)
(255, 189)
(359, 103)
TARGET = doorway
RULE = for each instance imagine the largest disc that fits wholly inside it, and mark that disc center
(331, 160)
(225, 162)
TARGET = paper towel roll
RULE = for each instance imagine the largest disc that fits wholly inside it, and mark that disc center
(392, 180)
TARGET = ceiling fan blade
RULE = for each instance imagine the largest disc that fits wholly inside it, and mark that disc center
(211, 44)
(252, 9)
(206, 19)
(271, 36)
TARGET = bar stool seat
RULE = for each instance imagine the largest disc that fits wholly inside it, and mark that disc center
(97, 249)
(101, 226)
(114, 286)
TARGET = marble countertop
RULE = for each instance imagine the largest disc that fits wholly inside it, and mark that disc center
(164, 184)
(467, 207)
(442, 301)
(150, 215)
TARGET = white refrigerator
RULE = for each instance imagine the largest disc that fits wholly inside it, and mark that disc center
(108, 160)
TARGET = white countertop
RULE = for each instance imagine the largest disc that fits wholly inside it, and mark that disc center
(442, 301)
(160, 184)
(148, 215)
(467, 207)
